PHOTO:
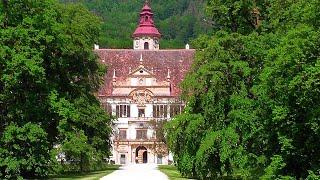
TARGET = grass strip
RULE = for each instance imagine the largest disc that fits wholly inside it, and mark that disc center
(94, 175)
(171, 172)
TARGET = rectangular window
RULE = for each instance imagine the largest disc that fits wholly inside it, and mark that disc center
(141, 113)
(122, 159)
(160, 111)
(176, 109)
(159, 159)
(107, 107)
(141, 134)
(122, 111)
(122, 134)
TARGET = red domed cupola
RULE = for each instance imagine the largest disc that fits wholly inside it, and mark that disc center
(146, 24)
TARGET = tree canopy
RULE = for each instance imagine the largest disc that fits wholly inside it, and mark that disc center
(48, 76)
(253, 94)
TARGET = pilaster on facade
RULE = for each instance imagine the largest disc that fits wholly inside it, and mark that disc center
(142, 87)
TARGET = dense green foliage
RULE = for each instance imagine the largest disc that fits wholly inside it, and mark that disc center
(48, 74)
(253, 94)
(178, 21)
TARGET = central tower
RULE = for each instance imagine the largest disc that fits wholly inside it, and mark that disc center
(146, 36)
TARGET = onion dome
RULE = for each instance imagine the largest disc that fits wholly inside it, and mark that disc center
(146, 24)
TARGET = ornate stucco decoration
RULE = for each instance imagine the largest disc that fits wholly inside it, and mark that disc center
(141, 96)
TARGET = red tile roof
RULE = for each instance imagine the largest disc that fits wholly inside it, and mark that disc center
(146, 31)
(122, 60)
(146, 8)
(146, 25)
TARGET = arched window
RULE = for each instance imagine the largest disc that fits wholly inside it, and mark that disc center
(146, 45)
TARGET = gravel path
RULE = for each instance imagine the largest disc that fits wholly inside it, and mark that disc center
(136, 172)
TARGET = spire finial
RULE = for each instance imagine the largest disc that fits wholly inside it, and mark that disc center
(114, 73)
(141, 60)
(114, 79)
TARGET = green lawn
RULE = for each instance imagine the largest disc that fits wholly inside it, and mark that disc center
(95, 175)
(171, 172)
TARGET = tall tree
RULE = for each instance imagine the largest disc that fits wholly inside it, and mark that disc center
(289, 104)
(253, 95)
(241, 16)
(48, 74)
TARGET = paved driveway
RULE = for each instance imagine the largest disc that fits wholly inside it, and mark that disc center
(137, 172)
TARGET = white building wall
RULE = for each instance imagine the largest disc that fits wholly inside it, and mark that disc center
(138, 43)
(131, 132)
(122, 122)
(149, 111)
(149, 81)
(134, 110)
(149, 133)
(113, 106)
(160, 92)
(134, 81)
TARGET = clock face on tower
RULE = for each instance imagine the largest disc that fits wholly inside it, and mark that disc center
(141, 81)
(156, 43)
(136, 44)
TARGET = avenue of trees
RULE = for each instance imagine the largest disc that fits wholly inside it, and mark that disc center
(48, 76)
(253, 94)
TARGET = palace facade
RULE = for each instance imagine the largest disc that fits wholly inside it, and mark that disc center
(141, 90)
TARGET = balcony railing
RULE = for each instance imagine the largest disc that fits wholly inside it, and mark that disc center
(135, 139)
(146, 119)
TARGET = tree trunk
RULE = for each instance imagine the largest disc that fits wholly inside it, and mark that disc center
(5, 7)
(81, 162)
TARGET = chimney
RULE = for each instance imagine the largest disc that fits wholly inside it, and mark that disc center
(187, 46)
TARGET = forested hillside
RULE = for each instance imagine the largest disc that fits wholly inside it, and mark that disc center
(178, 21)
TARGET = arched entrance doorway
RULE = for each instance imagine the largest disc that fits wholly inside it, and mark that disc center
(141, 155)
